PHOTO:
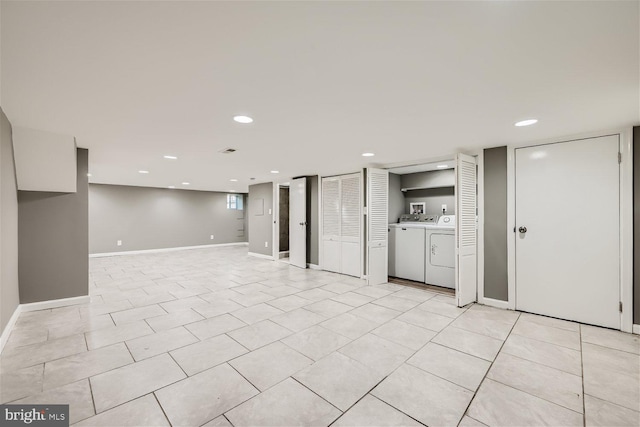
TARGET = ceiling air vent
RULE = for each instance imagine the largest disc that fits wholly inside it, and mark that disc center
(228, 151)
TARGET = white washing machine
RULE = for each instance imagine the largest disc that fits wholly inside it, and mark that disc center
(440, 262)
(407, 246)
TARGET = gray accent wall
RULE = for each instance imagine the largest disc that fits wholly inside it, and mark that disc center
(261, 218)
(156, 218)
(433, 198)
(396, 198)
(9, 290)
(431, 179)
(495, 224)
(313, 221)
(636, 225)
(53, 243)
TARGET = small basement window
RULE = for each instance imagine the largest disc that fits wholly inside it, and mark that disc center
(234, 201)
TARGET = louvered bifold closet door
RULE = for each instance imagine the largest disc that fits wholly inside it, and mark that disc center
(331, 244)
(466, 236)
(377, 225)
(350, 224)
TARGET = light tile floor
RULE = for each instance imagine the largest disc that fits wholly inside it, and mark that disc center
(214, 337)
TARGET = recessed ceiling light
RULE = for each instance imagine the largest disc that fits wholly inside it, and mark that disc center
(171, 157)
(172, 187)
(243, 119)
(186, 183)
(143, 171)
(368, 154)
(88, 174)
(233, 180)
(527, 122)
(442, 166)
(275, 171)
(232, 191)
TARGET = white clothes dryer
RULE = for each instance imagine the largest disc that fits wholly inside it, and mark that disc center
(440, 250)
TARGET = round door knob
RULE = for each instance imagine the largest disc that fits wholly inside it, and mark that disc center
(522, 229)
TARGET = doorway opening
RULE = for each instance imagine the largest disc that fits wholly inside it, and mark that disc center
(422, 217)
(283, 218)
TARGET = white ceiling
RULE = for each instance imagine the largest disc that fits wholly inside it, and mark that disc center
(324, 81)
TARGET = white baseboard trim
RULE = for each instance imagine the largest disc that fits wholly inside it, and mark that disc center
(495, 303)
(269, 257)
(35, 306)
(313, 266)
(636, 329)
(7, 330)
(54, 303)
(180, 248)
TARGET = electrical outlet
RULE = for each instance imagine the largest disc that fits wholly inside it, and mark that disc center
(119, 243)
(211, 237)
(266, 244)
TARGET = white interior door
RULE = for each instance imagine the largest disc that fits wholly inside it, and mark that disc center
(466, 235)
(298, 222)
(377, 225)
(568, 230)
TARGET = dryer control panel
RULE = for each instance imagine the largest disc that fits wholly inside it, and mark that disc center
(447, 220)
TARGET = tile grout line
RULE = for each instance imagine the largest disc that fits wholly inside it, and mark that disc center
(388, 375)
(537, 397)
(153, 393)
(179, 366)
(541, 364)
(239, 343)
(489, 369)
(546, 342)
(368, 393)
(606, 347)
(246, 379)
(93, 399)
(296, 380)
(228, 420)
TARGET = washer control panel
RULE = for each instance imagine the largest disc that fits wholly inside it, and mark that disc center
(423, 218)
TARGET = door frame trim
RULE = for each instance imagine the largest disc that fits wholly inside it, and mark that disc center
(275, 226)
(626, 217)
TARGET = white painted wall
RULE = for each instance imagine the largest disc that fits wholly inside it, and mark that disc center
(44, 161)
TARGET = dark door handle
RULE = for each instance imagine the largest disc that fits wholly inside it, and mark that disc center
(522, 229)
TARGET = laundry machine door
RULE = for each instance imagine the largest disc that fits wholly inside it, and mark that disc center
(442, 250)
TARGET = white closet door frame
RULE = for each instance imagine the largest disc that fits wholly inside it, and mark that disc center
(275, 224)
(320, 225)
(297, 222)
(626, 217)
(275, 221)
